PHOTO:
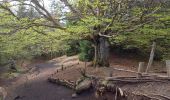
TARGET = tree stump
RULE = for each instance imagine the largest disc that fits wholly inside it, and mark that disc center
(141, 69)
(168, 67)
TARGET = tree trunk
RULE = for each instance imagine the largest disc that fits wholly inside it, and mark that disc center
(103, 52)
(95, 55)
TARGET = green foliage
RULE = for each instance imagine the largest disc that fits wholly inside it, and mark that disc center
(142, 39)
(73, 48)
(102, 16)
(27, 43)
(86, 51)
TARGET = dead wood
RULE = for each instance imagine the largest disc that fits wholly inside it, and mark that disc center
(143, 74)
(69, 84)
(137, 80)
(153, 96)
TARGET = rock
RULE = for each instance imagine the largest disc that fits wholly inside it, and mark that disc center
(74, 95)
(83, 85)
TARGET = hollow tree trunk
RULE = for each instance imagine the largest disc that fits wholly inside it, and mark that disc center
(103, 52)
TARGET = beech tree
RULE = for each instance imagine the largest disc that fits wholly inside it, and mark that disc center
(97, 19)
(104, 19)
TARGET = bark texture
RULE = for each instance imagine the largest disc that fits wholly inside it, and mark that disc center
(103, 52)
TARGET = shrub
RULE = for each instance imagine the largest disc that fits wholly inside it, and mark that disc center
(73, 48)
(86, 51)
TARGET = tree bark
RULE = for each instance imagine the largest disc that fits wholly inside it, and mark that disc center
(95, 55)
(103, 52)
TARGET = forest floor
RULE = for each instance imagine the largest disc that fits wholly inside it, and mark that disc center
(33, 85)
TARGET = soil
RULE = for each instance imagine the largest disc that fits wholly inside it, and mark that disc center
(150, 89)
(34, 85)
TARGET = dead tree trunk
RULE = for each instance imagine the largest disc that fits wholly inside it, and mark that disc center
(151, 56)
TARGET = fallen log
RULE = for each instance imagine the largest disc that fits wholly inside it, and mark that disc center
(153, 96)
(69, 84)
(143, 74)
(136, 80)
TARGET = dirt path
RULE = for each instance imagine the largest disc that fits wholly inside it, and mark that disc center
(34, 86)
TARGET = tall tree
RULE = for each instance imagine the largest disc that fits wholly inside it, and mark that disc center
(109, 18)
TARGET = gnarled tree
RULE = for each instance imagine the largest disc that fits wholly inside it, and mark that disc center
(98, 19)
(108, 18)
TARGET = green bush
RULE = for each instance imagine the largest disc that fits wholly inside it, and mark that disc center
(73, 48)
(141, 42)
(86, 51)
